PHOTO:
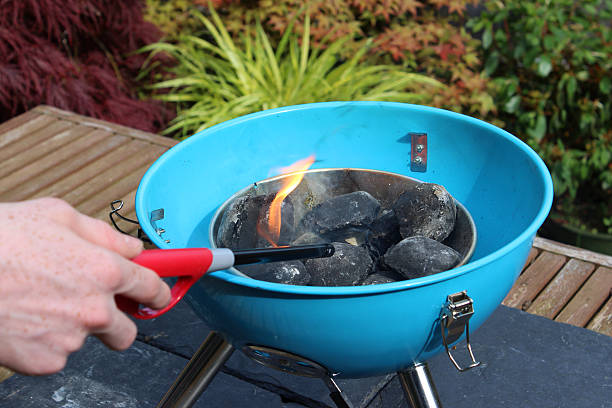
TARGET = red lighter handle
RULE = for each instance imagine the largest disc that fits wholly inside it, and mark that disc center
(188, 264)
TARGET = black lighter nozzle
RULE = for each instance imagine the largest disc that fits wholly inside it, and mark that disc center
(286, 253)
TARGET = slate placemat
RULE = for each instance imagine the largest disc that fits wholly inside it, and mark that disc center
(135, 378)
(528, 361)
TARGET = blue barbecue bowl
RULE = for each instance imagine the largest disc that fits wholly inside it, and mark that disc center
(365, 330)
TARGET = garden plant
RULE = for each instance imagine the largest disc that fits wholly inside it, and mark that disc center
(77, 55)
(540, 69)
(217, 78)
(551, 64)
(428, 37)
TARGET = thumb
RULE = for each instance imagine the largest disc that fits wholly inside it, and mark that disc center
(100, 233)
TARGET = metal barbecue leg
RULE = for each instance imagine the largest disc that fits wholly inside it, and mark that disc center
(198, 373)
(336, 394)
(419, 388)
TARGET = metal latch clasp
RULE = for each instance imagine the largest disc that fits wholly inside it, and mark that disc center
(454, 319)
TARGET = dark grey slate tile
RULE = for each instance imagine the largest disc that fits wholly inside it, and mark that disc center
(528, 361)
(135, 378)
(180, 331)
(359, 391)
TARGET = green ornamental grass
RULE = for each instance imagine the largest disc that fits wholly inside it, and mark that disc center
(220, 78)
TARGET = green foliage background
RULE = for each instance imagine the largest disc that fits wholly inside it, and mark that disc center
(428, 37)
(551, 64)
(223, 78)
(540, 69)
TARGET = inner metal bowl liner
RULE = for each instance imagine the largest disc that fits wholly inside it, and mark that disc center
(319, 185)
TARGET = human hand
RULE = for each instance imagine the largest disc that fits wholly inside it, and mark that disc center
(59, 273)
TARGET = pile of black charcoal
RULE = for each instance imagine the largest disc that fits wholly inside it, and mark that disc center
(373, 245)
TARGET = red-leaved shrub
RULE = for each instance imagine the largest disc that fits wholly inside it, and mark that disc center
(77, 55)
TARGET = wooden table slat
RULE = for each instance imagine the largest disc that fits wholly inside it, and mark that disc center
(573, 252)
(533, 254)
(18, 128)
(147, 153)
(131, 229)
(34, 139)
(86, 174)
(108, 126)
(123, 186)
(585, 304)
(18, 121)
(32, 168)
(602, 322)
(561, 289)
(77, 160)
(533, 280)
(45, 155)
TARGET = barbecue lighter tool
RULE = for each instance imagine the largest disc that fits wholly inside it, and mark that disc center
(190, 264)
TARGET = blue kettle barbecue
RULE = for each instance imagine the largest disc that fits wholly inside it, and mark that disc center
(348, 332)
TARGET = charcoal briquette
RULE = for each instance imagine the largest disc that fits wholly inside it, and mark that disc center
(356, 237)
(308, 238)
(347, 267)
(425, 209)
(379, 278)
(342, 217)
(290, 273)
(418, 256)
(384, 232)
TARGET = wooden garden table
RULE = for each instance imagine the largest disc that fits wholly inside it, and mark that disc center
(566, 284)
(89, 163)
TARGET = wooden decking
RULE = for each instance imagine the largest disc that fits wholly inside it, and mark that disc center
(566, 284)
(89, 163)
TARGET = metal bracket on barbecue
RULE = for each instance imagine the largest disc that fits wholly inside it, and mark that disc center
(157, 215)
(418, 152)
(454, 319)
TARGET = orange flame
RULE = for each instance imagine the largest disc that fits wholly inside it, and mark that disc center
(294, 175)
